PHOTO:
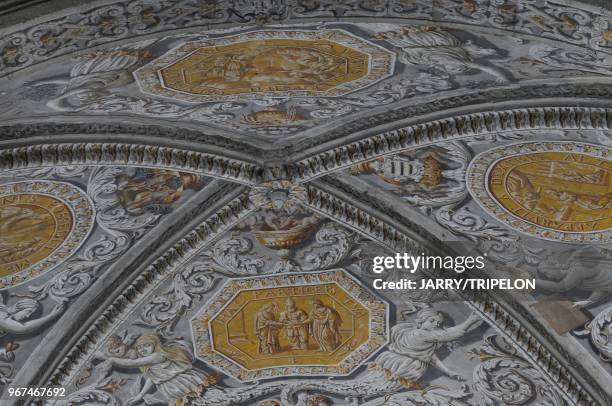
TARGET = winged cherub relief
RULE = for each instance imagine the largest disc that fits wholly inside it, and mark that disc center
(436, 47)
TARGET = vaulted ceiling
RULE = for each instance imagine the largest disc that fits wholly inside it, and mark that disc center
(171, 170)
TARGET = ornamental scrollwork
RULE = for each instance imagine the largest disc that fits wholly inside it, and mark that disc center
(504, 376)
(121, 19)
(599, 330)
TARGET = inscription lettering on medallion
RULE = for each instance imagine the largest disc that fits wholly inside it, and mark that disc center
(290, 324)
(557, 190)
(267, 63)
(301, 325)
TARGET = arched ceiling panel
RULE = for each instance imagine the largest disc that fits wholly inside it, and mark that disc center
(193, 192)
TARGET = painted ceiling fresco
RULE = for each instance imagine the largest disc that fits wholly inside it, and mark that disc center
(192, 194)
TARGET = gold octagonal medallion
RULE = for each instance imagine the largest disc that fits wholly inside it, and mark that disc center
(267, 64)
(322, 323)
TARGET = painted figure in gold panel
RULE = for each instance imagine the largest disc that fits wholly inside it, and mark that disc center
(32, 226)
(559, 190)
(325, 326)
(266, 65)
(267, 329)
(289, 324)
(296, 321)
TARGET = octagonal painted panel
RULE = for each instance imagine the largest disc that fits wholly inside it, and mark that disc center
(267, 64)
(321, 323)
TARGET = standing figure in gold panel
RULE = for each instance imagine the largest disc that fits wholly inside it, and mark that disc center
(296, 325)
(267, 328)
(325, 323)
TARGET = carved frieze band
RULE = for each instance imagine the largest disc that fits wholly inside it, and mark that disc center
(450, 129)
(308, 168)
(589, 95)
(129, 154)
(348, 214)
(337, 158)
(155, 134)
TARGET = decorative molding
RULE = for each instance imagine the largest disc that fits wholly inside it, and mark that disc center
(348, 214)
(551, 95)
(448, 129)
(319, 163)
(129, 154)
(337, 158)
(152, 133)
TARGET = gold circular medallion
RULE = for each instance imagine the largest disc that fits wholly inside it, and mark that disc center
(562, 191)
(555, 191)
(42, 223)
(32, 226)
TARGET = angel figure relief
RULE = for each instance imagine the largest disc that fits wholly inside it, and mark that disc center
(586, 269)
(14, 320)
(166, 368)
(94, 77)
(438, 48)
(413, 348)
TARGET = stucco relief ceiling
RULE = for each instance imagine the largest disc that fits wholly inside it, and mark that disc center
(184, 183)
(271, 87)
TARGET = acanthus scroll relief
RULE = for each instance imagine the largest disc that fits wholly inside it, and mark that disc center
(310, 75)
(286, 314)
(118, 20)
(333, 133)
(78, 220)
